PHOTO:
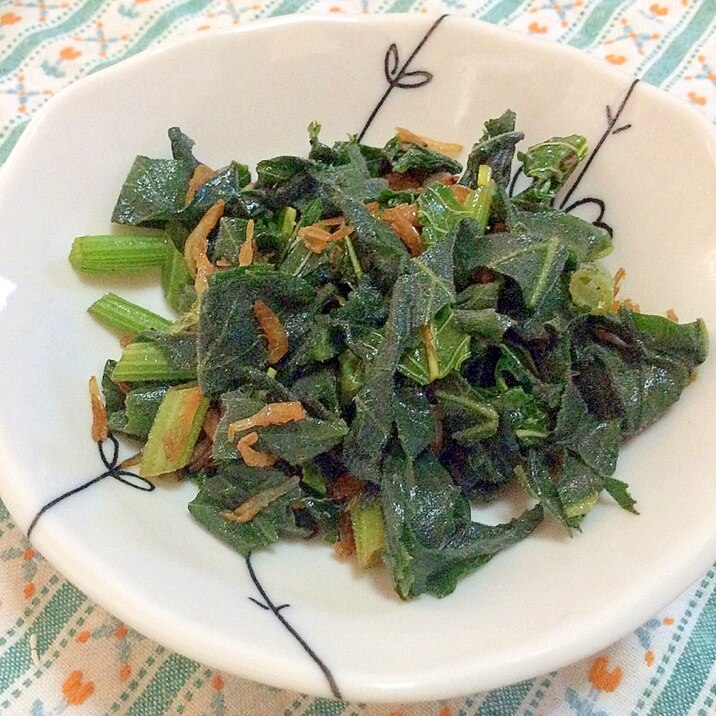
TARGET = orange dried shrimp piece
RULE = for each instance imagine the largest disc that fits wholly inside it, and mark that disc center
(346, 487)
(201, 175)
(316, 237)
(460, 192)
(274, 331)
(247, 251)
(246, 511)
(253, 458)
(197, 244)
(403, 220)
(270, 414)
(100, 427)
(450, 149)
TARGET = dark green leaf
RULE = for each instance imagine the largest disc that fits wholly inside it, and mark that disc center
(496, 149)
(414, 420)
(153, 192)
(374, 403)
(535, 477)
(418, 159)
(303, 439)
(349, 180)
(578, 488)
(431, 541)
(584, 241)
(468, 415)
(179, 348)
(485, 323)
(230, 239)
(452, 349)
(233, 486)
(533, 262)
(229, 336)
(523, 415)
(113, 396)
(549, 164)
(294, 442)
(634, 369)
(272, 172)
(364, 310)
(432, 280)
(595, 441)
(141, 406)
(321, 386)
(620, 493)
(225, 184)
(440, 212)
(379, 249)
(182, 146)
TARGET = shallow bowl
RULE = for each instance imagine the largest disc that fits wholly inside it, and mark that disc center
(296, 617)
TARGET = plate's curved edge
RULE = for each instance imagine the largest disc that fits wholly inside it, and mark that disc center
(398, 19)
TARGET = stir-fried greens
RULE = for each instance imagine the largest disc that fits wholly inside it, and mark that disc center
(371, 339)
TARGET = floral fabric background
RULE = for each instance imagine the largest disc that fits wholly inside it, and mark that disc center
(59, 652)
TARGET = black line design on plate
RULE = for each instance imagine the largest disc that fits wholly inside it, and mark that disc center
(599, 203)
(513, 182)
(112, 469)
(612, 119)
(268, 605)
(398, 76)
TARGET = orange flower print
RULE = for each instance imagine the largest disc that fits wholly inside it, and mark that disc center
(125, 672)
(69, 53)
(75, 690)
(649, 657)
(616, 59)
(28, 590)
(9, 18)
(536, 28)
(84, 636)
(697, 98)
(602, 678)
(659, 10)
(445, 711)
(217, 682)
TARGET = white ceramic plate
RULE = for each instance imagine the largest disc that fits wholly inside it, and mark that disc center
(248, 94)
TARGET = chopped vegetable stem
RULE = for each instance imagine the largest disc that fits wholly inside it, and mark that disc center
(124, 316)
(142, 361)
(106, 253)
(174, 431)
(368, 533)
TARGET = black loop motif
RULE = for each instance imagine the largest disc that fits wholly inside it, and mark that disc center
(599, 203)
(598, 222)
(398, 76)
(112, 469)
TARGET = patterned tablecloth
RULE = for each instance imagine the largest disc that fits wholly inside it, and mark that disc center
(60, 652)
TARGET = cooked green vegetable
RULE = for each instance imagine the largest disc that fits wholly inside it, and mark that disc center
(121, 315)
(366, 343)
